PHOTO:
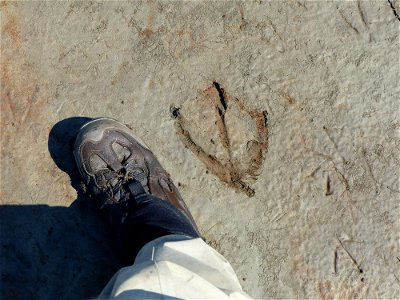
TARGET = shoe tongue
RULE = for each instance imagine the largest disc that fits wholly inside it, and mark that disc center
(137, 171)
(107, 177)
(113, 182)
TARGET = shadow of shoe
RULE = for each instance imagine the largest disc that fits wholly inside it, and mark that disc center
(56, 252)
(61, 143)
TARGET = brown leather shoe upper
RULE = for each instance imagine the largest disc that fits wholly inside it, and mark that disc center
(108, 155)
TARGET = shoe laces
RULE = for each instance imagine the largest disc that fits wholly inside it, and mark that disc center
(115, 181)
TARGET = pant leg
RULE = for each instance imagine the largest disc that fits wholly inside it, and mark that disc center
(176, 267)
(146, 218)
(154, 218)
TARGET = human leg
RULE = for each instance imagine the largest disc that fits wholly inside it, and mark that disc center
(151, 221)
(125, 180)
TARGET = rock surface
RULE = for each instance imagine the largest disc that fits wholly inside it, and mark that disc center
(324, 218)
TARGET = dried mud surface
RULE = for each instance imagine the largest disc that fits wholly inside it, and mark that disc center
(295, 103)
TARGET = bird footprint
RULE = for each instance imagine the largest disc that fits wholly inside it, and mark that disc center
(243, 136)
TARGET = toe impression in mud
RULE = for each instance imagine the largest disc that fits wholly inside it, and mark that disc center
(229, 170)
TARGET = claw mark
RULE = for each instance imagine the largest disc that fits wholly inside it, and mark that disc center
(331, 139)
(346, 187)
(362, 14)
(350, 256)
(274, 29)
(221, 95)
(314, 171)
(227, 172)
(208, 230)
(217, 97)
(243, 21)
(339, 175)
(256, 149)
(335, 257)
(348, 22)
(394, 9)
(342, 179)
(328, 189)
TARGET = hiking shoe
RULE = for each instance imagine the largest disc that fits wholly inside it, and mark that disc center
(111, 161)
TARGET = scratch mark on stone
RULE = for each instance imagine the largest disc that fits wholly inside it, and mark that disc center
(394, 9)
(339, 175)
(348, 22)
(350, 256)
(314, 171)
(217, 97)
(243, 21)
(60, 107)
(328, 189)
(27, 110)
(7, 100)
(342, 179)
(208, 230)
(333, 142)
(275, 30)
(278, 217)
(221, 95)
(335, 258)
(369, 168)
(84, 107)
(362, 13)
